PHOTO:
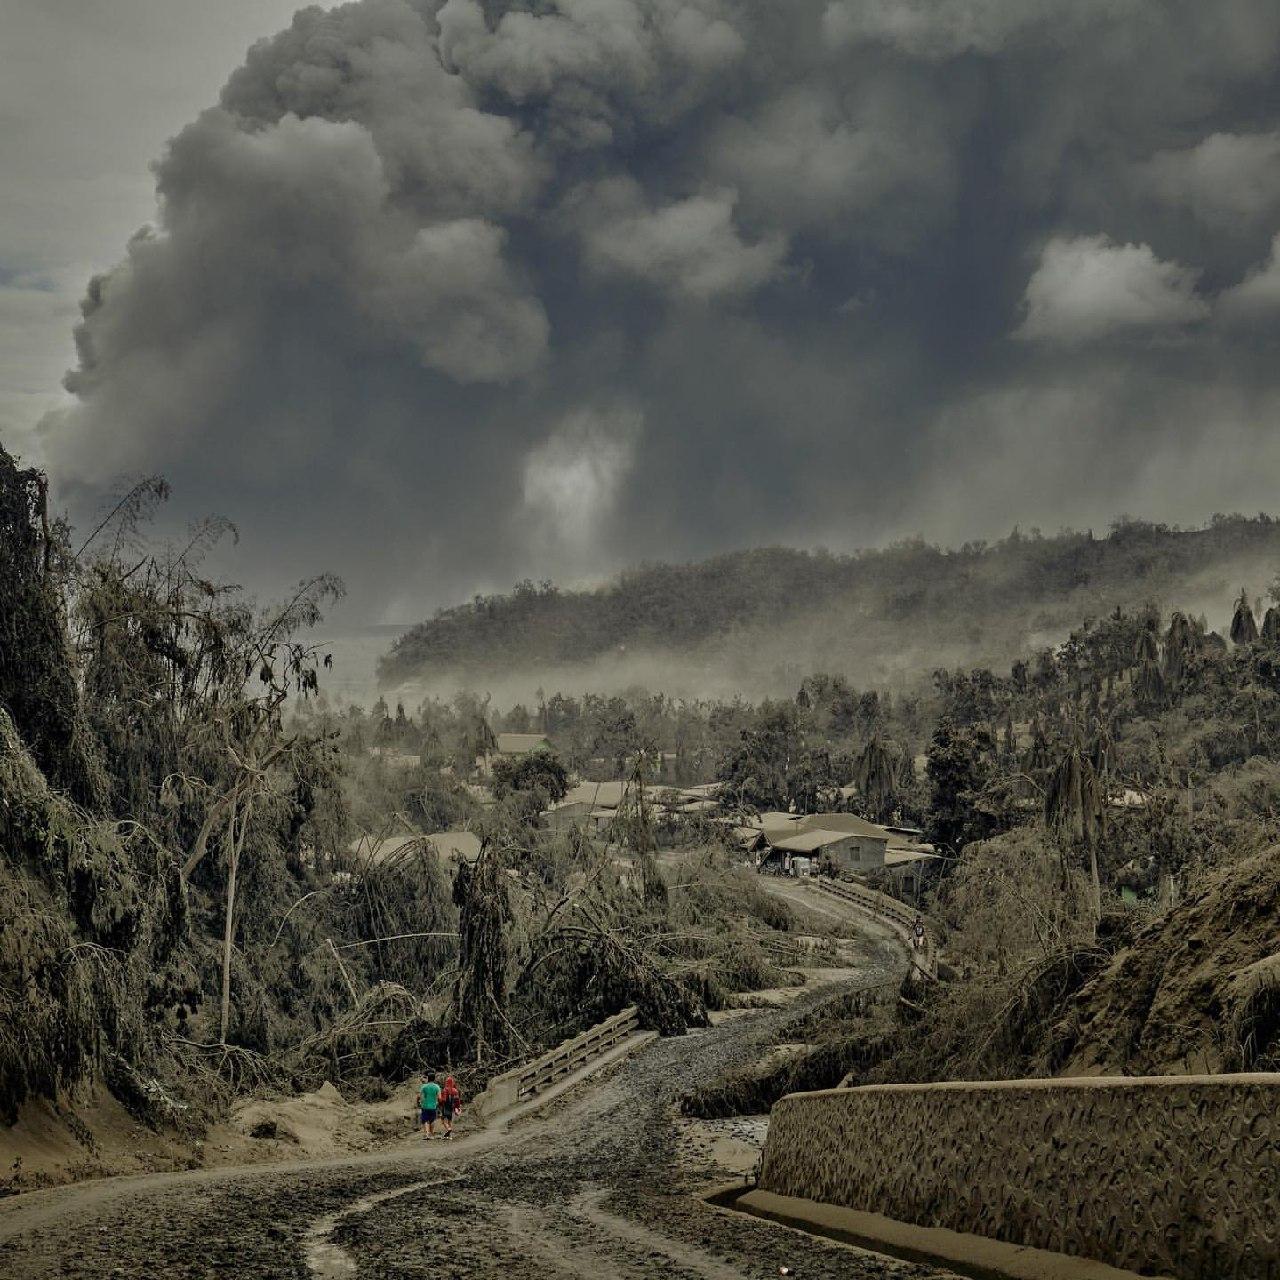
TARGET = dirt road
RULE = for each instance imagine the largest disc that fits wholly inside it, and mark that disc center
(801, 894)
(602, 1184)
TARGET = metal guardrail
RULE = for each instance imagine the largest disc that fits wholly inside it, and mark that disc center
(531, 1079)
(893, 912)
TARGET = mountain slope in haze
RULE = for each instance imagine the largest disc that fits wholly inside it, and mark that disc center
(756, 621)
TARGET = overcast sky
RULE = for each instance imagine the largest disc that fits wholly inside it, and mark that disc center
(444, 294)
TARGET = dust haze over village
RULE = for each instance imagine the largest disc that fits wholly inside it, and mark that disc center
(639, 636)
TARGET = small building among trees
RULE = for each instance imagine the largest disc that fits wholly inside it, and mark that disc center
(494, 748)
(840, 843)
(521, 744)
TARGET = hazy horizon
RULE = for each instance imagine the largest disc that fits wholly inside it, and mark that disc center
(765, 657)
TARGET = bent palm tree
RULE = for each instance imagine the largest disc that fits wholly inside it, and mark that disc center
(1180, 644)
(1073, 810)
(1244, 630)
(1271, 626)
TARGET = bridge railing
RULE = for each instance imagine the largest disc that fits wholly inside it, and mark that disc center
(897, 915)
(525, 1082)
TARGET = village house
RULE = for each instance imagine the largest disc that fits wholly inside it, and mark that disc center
(596, 804)
(511, 746)
(394, 758)
(452, 846)
(839, 843)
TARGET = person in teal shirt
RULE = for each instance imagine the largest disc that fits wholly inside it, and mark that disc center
(428, 1104)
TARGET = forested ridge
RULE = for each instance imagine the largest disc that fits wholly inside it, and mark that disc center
(979, 602)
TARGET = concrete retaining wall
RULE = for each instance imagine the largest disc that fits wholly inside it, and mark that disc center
(1171, 1175)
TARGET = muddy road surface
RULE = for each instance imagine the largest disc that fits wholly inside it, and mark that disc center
(604, 1183)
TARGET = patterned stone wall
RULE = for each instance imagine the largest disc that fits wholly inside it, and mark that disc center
(1173, 1175)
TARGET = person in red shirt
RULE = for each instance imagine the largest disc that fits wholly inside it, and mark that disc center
(450, 1105)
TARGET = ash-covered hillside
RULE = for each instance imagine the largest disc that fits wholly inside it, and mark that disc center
(753, 621)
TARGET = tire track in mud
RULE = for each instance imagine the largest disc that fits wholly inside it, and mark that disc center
(597, 1187)
(328, 1261)
(684, 1260)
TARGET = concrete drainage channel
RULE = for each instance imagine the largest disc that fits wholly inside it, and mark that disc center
(966, 1255)
(328, 1261)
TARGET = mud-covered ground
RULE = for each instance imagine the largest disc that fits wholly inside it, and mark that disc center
(605, 1183)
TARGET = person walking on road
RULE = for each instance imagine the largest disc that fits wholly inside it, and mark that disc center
(428, 1104)
(450, 1105)
(917, 934)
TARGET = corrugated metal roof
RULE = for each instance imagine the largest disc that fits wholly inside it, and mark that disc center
(602, 795)
(776, 820)
(379, 850)
(455, 844)
(517, 744)
(903, 857)
(849, 823)
(808, 841)
(447, 844)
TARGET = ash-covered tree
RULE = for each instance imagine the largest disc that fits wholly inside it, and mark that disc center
(38, 675)
(186, 686)
(173, 693)
(877, 769)
(481, 741)
(1271, 626)
(1074, 810)
(772, 766)
(968, 698)
(633, 829)
(1244, 627)
(537, 771)
(959, 767)
(1182, 645)
(479, 1007)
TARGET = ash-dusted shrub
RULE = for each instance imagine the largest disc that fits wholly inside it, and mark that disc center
(37, 675)
(93, 915)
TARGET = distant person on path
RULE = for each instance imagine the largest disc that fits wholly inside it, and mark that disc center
(917, 935)
(428, 1104)
(450, 1105)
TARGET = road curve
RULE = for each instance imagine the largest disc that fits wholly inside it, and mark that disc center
(597, 1186)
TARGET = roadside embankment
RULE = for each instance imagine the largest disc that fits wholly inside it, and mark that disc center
(1168, 1175)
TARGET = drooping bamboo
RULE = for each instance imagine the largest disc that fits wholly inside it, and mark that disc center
(1149, 684)
(1148, 649)
(1181, 643)
(480, 992)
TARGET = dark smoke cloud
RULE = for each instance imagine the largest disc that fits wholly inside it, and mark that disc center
(444, 294)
